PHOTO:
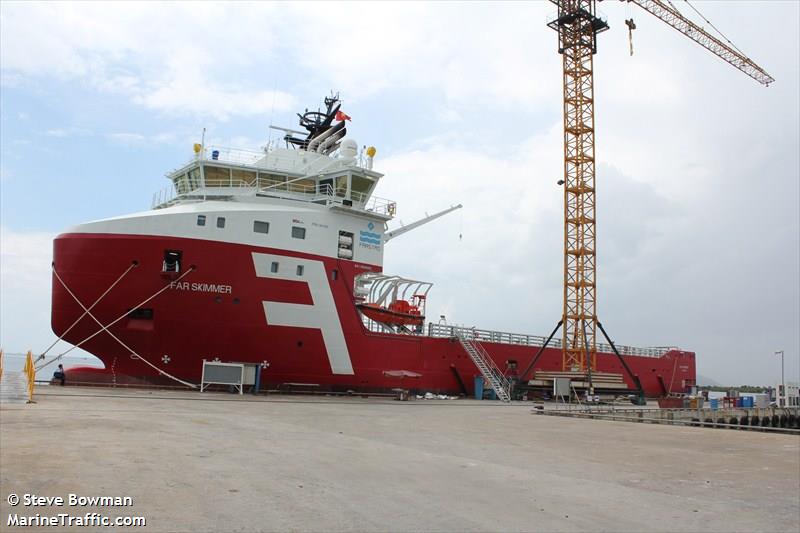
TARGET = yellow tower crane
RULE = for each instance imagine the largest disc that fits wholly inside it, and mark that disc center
(578, 24)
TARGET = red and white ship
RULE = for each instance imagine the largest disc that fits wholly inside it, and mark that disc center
(276, 257)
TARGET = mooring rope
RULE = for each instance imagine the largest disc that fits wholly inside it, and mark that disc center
(133, 265)
(105, 328)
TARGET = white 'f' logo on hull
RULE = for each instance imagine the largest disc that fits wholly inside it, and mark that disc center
(321, 314)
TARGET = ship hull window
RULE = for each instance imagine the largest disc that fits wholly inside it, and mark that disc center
(274, 267)
(260, 227)
(201, 220)
(299, 270)
(220, 222)
(298, 232)
(141, 313)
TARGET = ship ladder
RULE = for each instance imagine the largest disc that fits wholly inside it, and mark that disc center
(487, 367)
(105, 328)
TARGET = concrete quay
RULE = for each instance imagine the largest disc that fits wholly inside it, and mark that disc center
(218, 462)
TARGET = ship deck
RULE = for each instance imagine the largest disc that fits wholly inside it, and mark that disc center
(220, 462)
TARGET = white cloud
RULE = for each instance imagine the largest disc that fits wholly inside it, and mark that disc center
(187, 58)
(139, 139)
(67, 132)
(203, 98)
(165, 57)
(25, 286)
(127, 138)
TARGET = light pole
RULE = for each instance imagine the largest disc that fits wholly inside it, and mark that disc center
(783, 385)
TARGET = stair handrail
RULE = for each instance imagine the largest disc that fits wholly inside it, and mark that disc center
(495, 377)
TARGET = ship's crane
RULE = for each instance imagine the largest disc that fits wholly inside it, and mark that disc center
(577, 25)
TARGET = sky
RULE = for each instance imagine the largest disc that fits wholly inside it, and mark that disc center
(698, 165)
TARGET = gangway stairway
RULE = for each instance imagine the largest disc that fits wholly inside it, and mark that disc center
(13, 388)
(489, 370)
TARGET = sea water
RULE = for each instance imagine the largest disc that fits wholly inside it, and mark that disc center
(15, 362)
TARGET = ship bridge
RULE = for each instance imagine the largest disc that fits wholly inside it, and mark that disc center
(217, 173)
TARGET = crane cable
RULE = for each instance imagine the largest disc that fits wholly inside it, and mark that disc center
(133, 265)
(105, 328)
(715, 28)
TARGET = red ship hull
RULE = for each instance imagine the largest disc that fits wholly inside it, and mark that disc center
(229, 322)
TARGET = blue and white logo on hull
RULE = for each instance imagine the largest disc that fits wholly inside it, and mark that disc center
(321, 314)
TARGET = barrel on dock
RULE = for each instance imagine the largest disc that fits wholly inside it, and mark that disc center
(479, 387)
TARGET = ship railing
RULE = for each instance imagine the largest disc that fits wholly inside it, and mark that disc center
(235, 156)
(266, 157)
(503, 337)
(164, 197)
(357, 200)
(381, 206)
(296, 186)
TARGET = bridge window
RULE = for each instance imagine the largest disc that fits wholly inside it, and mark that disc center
(181, 184)
(260, 227)
(243, 178)
(217, 176)
(271, 180)
(201, 220)
(341, 185)
(220, 222)
(325, 186)
(194, 178)
(304, 186)
(360, 186)
(298, 232)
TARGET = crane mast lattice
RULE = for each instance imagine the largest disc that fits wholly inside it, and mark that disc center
(577, 25)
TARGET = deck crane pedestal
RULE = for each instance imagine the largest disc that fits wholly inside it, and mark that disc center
(578, 24)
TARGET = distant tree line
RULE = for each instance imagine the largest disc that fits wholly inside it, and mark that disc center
(740, 388)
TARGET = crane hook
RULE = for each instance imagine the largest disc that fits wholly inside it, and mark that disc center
(631, 26)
